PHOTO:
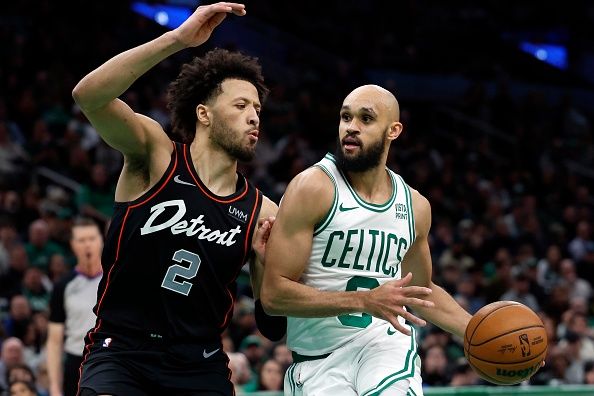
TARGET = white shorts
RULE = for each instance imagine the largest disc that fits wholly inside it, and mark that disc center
(379, 362)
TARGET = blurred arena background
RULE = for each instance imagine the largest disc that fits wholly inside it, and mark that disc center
(497, 102)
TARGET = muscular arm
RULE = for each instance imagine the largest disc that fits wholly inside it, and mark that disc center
(447, 313)
(55, 342)
(144, 143)
(114, 120)
(307, 200)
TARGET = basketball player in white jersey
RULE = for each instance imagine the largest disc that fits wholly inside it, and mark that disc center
(347, 253)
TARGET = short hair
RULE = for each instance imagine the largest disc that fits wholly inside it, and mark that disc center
(83, 222)
(200, 80)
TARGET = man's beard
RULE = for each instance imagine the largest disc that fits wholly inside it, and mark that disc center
(366, 159)
(226, 138)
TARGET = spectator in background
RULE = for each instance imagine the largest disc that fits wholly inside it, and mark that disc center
(40, 248)
(282, 354)
(548, 268)
(435, 367)
(22, 388)
(578, 288)
(463, 375)
(271, 376)
(95, 199)
(11, 282)
(13, 159)
(58, 267)
(20, 372)
(10, 356)
(252, 348)
(19, 317)
(241, 373)
(71, 309)
(36, 288)
(502, 280)
(520, 292)
(579, 245)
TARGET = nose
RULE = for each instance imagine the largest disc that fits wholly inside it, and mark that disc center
(353, 127)
(253, 118)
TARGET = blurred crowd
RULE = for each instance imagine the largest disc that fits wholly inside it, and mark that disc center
(513, 211)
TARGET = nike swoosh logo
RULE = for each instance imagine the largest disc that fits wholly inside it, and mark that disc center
(209, 354)
(343, 209)
(178, 180)
(391, 332)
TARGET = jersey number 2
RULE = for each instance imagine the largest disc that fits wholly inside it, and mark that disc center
(354, 284)
(183, 287)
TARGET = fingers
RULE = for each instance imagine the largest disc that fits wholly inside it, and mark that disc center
(404, 281)
(417, 302)
(269, 219)
(213, 9)
(416, 291)
(235, 8)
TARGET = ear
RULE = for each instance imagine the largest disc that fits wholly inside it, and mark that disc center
(203, 115)
(394, 130)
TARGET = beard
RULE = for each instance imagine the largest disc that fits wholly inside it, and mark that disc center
(366, 159)
(226, 138)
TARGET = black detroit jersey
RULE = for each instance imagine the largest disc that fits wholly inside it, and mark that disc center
(172, 256)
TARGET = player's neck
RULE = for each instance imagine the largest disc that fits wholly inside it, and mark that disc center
(216, 169)
(373, 185)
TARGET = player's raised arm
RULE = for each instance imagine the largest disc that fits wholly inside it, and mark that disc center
(97, 92)
(447, 313)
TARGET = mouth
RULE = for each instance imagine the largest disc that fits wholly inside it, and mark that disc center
(253, 135)
(351, 143)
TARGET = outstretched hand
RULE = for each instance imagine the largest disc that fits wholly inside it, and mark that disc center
(388, 300)
(200, 25)
(261, 238)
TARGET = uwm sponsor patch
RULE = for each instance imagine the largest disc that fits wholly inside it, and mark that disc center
(191, 227)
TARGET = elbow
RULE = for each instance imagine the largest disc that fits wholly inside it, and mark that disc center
(269, 301)
(78, 94)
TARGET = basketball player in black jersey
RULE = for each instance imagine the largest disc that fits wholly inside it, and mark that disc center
(185, 220)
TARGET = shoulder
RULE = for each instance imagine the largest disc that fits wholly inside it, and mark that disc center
(311, 182)
(309, 195)
(422, 212)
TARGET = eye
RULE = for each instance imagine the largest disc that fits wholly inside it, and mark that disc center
(345, 117)
(367, 118)
(240, 106)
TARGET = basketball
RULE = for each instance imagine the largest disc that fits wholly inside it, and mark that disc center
(505, 342)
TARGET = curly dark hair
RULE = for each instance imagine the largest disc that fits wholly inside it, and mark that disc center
(200, 80)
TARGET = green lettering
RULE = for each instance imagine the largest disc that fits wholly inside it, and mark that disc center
(388, 271)
(356, 264)
(379, 256)
(373, 233)
(347, 248)
(401, 243)
(325, 261)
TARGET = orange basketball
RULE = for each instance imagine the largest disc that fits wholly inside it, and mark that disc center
(505, 342)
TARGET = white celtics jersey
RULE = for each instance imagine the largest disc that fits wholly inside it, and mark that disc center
(358, 245)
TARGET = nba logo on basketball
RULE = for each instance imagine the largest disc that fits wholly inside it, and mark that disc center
(525, 345)
(106, 342)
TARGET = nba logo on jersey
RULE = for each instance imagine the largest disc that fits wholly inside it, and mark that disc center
(106, 342)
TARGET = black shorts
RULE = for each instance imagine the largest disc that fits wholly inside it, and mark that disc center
(139, 366)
